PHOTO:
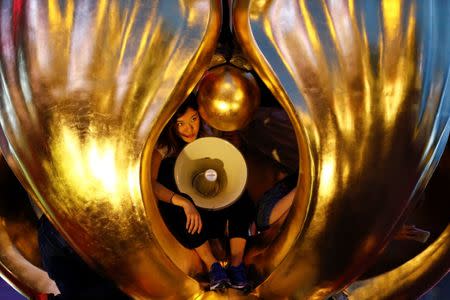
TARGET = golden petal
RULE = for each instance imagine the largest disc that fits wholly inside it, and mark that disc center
(85, 84)
(370, 126)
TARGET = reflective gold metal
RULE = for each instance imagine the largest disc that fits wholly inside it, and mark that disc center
(419, 270)
(412, 278)
(228, 97)
(87, 87)
(354, 89)
(84, 85)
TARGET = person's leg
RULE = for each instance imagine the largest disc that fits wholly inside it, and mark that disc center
(237, 248)
(281, 208)
(240, 216)
(236, 270)
(276, 202)
(175, 219)
(214, 225)
(206, 255)
(74, 278)
(218, 278)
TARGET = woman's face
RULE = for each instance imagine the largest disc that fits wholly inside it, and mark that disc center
(188, 125)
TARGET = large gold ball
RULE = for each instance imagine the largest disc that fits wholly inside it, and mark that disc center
(228, 97)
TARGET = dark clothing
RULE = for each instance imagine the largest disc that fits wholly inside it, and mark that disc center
(74, 278)
(271, 197)
(175, 220)
(239, 215)
(272, 134)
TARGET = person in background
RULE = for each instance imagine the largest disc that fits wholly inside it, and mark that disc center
(270, 148)
(74, 278)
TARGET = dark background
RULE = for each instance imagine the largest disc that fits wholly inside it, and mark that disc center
(440, 292)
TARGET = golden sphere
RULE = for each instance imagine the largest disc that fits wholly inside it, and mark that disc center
(228, 97)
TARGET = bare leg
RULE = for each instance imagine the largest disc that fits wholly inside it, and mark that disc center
(218, 279)
(282, 206)
(237, 271)
(237, 247)
(205, 253)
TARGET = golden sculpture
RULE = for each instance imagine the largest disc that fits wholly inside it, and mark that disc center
(228, 97)
(87, 87)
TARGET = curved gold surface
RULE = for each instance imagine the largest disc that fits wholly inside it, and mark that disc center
(228, 97)
(87, 87)
(84, 84)
(412, 279)
(419, 272)
(371, 126)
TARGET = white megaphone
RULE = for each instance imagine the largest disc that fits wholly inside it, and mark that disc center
(212, 172)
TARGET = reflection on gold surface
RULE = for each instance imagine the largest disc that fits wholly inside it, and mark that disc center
(87, 87)
(328, 186)
(94, 172)
(228, 97)
(354, 91)
(102, 76)
(413, 277)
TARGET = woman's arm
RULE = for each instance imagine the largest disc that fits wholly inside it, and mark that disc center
(193, 219)
(161, 192)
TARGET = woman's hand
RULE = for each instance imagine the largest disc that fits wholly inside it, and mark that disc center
(193, 219)
(411, 232)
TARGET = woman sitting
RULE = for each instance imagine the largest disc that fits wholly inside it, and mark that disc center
(193, 226)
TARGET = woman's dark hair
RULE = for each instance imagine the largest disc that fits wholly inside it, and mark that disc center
(169, 137)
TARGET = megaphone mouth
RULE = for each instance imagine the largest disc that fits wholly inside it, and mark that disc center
(212, 172)
(211, 181)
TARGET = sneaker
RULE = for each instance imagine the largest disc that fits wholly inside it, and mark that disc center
(238, 277)
(218, 278)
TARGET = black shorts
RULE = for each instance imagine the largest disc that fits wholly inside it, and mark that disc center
(238, 216)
